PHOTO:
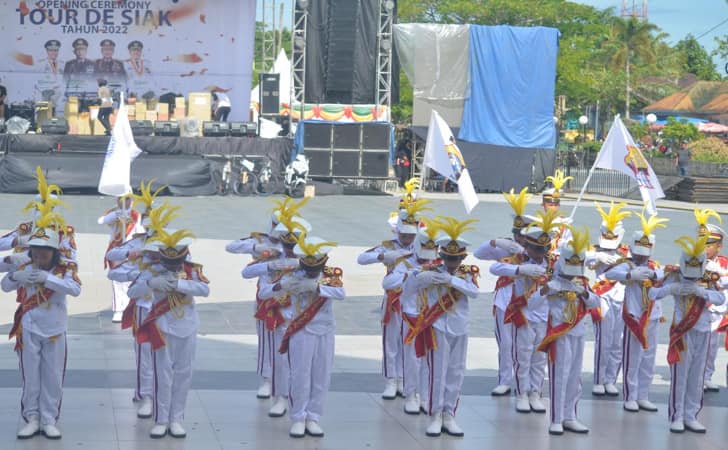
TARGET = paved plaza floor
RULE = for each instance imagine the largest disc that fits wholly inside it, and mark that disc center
(223, 412)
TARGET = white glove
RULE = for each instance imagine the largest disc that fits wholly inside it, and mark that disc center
(171, 284)
(606, 258)
(531, 270)
(307, 285)
(508, 245)
(641, 273)
(425, 278)
(393, 255)
(22, 276)
(283, 264)
(158, 284)
(578, 288)
(17, 259)
(674, 289)
(38, 276)
(260, 248)
(688, 289)
(441, 278)
(289, 284)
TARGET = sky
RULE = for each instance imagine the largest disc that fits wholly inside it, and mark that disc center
(678, 18)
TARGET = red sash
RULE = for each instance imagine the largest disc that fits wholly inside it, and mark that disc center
(603, 286)
(638, 328)
(423, 341)
(301, 321)
(128, 317)
(426, 318)
(269, 311)
(503, 281)
(514, 311)
(677, 331)
(391, 304)
(548, 345)
(41, 297)
(149, 331)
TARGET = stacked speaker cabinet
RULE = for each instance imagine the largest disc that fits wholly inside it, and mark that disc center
(347, 150)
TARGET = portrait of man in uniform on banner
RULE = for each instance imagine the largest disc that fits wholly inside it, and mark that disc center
(110, 69)
(79, 75)
(49, 86)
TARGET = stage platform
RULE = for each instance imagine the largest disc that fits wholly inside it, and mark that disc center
(189, 166)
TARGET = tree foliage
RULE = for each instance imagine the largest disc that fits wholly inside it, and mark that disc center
(695, 59)
(678, 131)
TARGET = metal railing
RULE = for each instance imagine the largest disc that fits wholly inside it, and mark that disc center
(603, 181)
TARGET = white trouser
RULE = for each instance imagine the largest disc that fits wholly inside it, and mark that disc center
(280, 370)
(638, 363)
(529, 365)
(266, 350)
(565, 378)
(392, 347)
(310, 357)
(119, 299)
(712, 354)
(446, 366)
(608, 335)
(686, 384)
(415, 374)
(504, 339)
(42, 364)
(144, 366)
(173, 377)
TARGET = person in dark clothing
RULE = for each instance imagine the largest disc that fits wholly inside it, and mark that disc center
(106, 106)
(682, 159)
(4, 113)
(402, 167)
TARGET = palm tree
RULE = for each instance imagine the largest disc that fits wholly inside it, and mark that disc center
(634, 40)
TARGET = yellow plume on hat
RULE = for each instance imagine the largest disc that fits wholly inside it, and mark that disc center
(146, 197)
(692, 247)
(546, 220)
(702, 215)
(282, 205)
(615, 214)
(649, 225)
(453, 227)
(579, 239)
(311, 249)
(411, 184)
(518, 201)
(171, 240)
(45, 191)
(162, 215)
(432, 228)
(417, 206)
(49, 218)
(558, 180)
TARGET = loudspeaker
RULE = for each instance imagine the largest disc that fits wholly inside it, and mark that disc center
(319, 162)
(251, 129)
(237, 129)
(55, 125)
(346, 163)
(317, 135)
(347, 136)
(141, 127)
(376, 136)
(215, 129)
(375, 164)
(166, 128)
(269, 95)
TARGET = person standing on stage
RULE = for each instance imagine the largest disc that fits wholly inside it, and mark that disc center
(641, 313)
(697, 285)
(569, 299)
(309, 338)
(442, 324)
(40, 325)
(221, 106)
(607, 317)
(171, 327)
(106, 105)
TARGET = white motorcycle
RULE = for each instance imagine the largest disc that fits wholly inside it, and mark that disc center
(295, 177)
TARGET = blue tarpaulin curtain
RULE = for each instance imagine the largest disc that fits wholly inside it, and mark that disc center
(512, 83)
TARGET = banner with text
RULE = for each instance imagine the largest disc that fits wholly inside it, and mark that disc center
(55, 49)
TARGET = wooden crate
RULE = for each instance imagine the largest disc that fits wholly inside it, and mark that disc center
(200, 106)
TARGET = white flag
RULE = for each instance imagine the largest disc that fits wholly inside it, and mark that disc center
(443, 156)
(122, 150)
(619, 152)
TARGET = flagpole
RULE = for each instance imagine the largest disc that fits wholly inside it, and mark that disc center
(583, 189)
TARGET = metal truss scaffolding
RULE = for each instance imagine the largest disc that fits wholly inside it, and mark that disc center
(298, 59)
(384, 55)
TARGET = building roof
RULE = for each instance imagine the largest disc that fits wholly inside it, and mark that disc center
(703, 97)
